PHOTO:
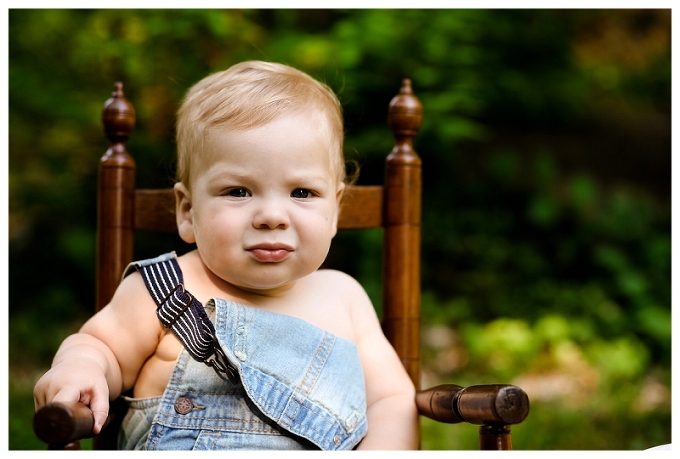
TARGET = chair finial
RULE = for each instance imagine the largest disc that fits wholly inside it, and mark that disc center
(117, 89)
(406, 86)
(118, 115)
(405, 113)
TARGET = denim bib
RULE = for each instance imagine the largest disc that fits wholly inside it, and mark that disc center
(298, 387)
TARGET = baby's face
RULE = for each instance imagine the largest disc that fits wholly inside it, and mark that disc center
(264, 203)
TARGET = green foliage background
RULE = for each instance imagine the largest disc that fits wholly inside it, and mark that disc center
(546, 203)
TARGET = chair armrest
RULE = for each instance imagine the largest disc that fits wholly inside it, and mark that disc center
(499, 404)
(60, 424)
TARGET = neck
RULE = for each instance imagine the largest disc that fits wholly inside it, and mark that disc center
(217, 286)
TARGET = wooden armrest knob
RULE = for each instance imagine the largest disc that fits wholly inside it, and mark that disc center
(485, 404)
(62, 423)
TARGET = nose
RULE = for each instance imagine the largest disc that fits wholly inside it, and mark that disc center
(270, 214)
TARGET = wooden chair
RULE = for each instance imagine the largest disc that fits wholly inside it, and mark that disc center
(395, 206)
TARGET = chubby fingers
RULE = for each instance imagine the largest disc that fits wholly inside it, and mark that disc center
(98, 404)
(100, 410)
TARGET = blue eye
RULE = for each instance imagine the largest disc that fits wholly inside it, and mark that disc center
(238, 193)
(300, 193)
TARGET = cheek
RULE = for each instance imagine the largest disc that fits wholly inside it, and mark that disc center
(213, 228)
(319, 235)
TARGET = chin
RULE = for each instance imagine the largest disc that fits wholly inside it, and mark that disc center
(264, 284)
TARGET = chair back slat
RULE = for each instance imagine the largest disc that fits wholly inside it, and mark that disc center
(155, 210)
(361, 208)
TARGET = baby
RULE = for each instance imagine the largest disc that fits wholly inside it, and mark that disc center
(243, 343)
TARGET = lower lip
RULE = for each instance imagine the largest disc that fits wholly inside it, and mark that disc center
(269, 256)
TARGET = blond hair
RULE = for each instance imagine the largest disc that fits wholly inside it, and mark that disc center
(251, 94)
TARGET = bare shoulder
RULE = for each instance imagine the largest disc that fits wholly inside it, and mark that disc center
(350, 293)
(330, 299)
(342, 286)
(336, 278)
(132, 294)
(131, 313)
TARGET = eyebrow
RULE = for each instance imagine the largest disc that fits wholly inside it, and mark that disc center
(231, 174)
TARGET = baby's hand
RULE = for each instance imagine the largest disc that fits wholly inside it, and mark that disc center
(76, 379)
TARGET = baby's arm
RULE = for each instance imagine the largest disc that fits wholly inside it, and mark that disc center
(392, 414)
(103, 359)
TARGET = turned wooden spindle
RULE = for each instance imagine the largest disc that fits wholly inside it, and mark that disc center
(115, 217)
(401, 217)
(116, 191)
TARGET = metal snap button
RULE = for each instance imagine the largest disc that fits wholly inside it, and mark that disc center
(337, 440)
(184, 405)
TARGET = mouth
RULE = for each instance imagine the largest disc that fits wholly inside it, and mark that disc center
(270, 253)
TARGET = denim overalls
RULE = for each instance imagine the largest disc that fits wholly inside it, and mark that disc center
(299, 387)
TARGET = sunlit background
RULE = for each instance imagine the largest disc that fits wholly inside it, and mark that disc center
(546, 148)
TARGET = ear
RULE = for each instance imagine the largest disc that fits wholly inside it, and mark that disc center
(183, 213)
(338, 198)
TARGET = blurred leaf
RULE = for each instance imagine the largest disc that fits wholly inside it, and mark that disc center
(623, 358)
(656, 321)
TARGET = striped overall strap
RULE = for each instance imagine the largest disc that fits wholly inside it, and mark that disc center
(184, 315)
